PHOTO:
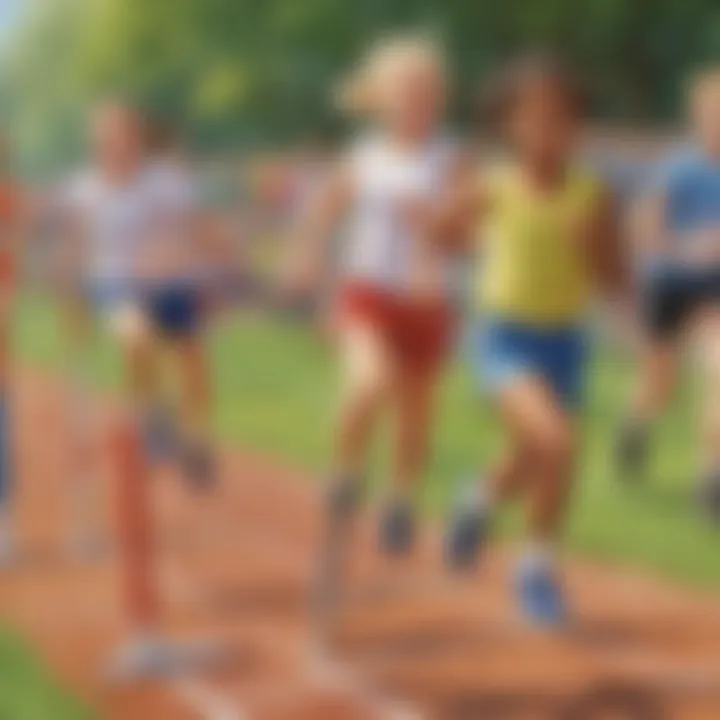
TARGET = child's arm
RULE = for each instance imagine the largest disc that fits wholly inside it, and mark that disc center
(452, 219)
(463, 206)
(608, 257)
(308, 246)
(647, 227)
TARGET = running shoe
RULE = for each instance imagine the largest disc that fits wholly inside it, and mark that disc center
(708, 495)
(397, 529)
(147, 658)
(467, 534)
(540, 596)
(631, 453)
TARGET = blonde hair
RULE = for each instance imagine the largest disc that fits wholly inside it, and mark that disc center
(358, 93)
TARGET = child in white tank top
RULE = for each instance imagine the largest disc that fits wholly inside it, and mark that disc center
(393, 310)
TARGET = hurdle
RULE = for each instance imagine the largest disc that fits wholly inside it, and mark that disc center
(134, 525)
(148, 654)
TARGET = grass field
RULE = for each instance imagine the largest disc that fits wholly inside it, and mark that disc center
(275, 391)
(27, 692)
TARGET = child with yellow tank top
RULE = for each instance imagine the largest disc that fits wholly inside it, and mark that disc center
(548, 243)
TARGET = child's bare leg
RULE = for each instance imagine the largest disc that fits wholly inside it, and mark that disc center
(196, 412)
(196, 389)
(510, 475)
(367, 375)
(414, 394)
(535, 416)
(656, 384)
(415, 397)
(707, 339)
(541, 425)
(366, 381)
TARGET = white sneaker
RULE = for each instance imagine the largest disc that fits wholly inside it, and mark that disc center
(153, 657)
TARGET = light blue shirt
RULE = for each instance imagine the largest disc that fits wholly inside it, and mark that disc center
(690, 182)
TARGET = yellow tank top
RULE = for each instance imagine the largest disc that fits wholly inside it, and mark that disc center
(533, 268)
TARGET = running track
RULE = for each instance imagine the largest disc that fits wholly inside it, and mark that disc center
(412, 644)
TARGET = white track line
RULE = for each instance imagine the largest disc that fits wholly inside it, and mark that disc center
(344, 678)
(210, 703)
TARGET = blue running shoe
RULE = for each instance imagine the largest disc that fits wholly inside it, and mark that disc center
(397, 529)
(540, 596)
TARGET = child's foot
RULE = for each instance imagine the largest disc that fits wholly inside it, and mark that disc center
(468, 531)
(540, 596)
(397, 528)
(152, 658)
(199, 466)
(708, 495)
(631, 452)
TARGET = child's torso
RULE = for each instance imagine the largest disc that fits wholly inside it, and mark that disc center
(534, 268)
(381, 247)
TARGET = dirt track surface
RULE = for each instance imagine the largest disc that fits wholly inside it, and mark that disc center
(411, 644)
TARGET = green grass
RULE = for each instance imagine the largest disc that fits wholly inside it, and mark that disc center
(275, 386)
(27, 692)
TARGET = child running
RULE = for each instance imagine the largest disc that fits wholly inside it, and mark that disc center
(134, 216)
(393, 312)
(134, 224)
(679, 234)
(547, 230)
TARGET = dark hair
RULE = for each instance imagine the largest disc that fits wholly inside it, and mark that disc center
(506, 87)
(162, 135)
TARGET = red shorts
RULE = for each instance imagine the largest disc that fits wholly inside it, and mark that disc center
(418, 332)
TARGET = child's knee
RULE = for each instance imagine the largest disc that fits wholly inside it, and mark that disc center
(368, 378)
(554, 445)
(132, 328)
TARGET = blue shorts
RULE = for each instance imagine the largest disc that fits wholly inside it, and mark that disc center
(175, 308)
(504, 351)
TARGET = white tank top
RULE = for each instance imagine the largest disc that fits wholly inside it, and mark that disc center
(380, 249)
(121, 224)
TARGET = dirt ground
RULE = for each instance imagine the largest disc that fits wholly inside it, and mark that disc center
(412, 643)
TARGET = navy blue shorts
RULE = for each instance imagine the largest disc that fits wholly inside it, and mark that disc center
(672, 298)
(175, 309)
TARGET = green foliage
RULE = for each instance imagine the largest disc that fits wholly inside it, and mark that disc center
(242, 70)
